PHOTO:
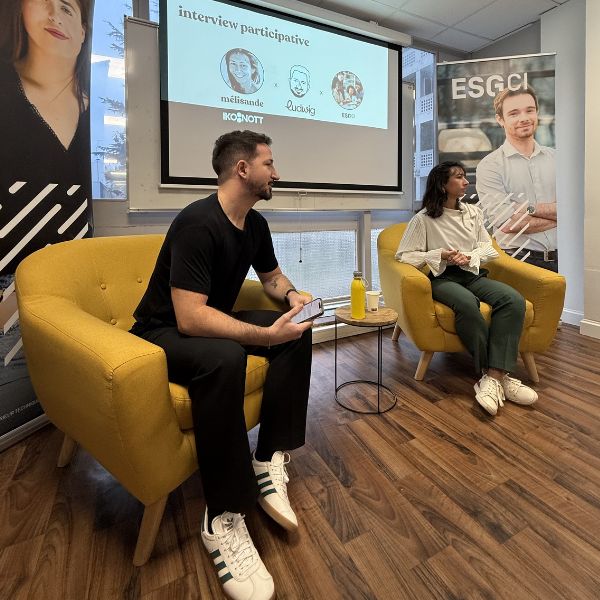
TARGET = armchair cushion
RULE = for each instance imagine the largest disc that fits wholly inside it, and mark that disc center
(256, 372)
(445, 315)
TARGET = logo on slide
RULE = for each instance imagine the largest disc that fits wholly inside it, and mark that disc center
(239, 117)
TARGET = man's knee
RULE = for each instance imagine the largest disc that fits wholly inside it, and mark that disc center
(226, 358)
(306, 338)
(231, 357)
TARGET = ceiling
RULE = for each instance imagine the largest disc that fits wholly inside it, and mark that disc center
(465, 25)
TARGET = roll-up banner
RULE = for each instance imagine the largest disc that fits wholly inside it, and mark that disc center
(496, 117)
(45, 177)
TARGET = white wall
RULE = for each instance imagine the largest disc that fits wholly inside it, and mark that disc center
(525, 41)
(563, 31)
(591, 323)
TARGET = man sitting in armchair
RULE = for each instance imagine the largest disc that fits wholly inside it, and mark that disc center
(186, 310)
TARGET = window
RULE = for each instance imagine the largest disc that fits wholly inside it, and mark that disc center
(418, 67)
(154, 12)
(107, 100)
(319, 262)
(375, 284)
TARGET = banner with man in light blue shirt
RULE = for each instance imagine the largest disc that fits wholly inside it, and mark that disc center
(508, 147)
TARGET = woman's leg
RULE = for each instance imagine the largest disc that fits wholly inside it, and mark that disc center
(470, 324)
(508, 314)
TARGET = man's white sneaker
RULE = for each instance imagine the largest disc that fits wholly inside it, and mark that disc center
(239, 567)
(489, 394)
(517, 392)
(272, 479)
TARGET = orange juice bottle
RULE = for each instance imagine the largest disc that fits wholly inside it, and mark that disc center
(358, 296)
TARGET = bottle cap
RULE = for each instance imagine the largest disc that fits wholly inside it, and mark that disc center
(357, 273)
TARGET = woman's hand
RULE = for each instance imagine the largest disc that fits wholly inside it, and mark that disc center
(454, 257)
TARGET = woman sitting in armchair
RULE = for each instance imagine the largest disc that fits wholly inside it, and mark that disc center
(449, 236)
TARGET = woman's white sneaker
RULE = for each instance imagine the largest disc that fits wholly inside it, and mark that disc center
(517, 392)
(272, 479)
(489, 394)
(239, 567)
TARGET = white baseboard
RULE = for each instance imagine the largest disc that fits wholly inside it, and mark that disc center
(590, 328)
(16, 435)
(572, 317)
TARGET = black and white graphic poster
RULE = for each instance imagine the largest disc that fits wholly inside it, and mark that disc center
(497, 117)
(45, 179)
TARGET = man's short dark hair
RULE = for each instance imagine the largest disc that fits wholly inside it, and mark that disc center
(233, 147)
(502, 95)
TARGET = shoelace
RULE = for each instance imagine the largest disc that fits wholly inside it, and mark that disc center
(513, 384)
(236, 540)
(497, 397)
(279, 473)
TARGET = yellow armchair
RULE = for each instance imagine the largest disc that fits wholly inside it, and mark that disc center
(430, 324)
(105, 388)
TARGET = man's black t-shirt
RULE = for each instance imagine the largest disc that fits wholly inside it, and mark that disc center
(204, 252)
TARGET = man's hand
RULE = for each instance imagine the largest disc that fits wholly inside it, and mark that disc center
(297, 299)
(284, 329)
(543, 219)
(516, 222)
(535, 224)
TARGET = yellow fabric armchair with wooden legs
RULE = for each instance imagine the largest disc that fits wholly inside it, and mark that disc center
(430, 324)
(105, 388)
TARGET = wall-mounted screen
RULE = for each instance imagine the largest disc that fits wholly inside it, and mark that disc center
(328, 98)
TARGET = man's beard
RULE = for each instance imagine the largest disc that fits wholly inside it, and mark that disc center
(299, 94)
(523, 135)
(263, 192)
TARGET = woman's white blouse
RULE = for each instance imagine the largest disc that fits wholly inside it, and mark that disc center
(461, 230)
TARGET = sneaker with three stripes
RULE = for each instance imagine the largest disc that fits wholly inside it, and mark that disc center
(241, 571)
(272, 479)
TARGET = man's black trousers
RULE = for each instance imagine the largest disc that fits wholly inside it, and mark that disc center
(214, 370)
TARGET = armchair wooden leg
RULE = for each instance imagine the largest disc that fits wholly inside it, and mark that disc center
(148, 529)
(423, 365)
(529, 362)
(397, 332)
(67, 450)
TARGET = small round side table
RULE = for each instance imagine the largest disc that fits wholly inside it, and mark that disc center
(380, 319)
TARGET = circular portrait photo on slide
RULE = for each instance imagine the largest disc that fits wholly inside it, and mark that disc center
(347, 90)
(242, 71)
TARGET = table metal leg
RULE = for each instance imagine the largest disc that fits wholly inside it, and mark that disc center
(379, 359)
(335, 356)
(378, 383)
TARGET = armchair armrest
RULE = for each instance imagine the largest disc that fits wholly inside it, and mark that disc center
(407, 290)
(108, 390)
(543, 288)
(252, 297)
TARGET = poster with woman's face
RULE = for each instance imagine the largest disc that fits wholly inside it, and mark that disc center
(45, 179)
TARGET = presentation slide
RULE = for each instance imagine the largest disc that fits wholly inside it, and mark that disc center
(313, 89)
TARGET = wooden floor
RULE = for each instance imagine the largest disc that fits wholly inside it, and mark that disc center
(432, 500)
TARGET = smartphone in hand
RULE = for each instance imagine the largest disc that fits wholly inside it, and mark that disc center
(311, 311)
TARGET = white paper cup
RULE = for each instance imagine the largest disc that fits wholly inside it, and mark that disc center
(373, 300)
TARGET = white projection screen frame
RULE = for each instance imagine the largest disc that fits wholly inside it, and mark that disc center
(331, 98)
(145, 191)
